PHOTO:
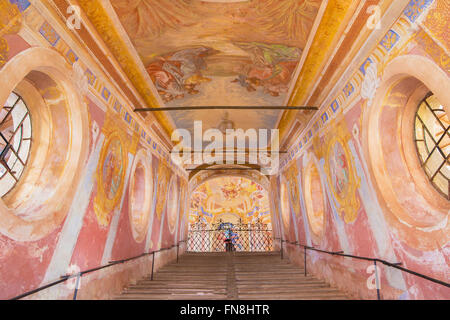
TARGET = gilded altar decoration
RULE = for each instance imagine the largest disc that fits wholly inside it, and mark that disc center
(111, 172)
(163, 183)
(10, 23)
(291, 175)
(341, 173)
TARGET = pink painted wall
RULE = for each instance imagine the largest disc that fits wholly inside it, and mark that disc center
(375, 232)
(25, 264)
(351, 275)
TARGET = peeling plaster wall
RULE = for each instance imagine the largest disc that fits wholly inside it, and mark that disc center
(94, 230)
(97, 225)
(361, 217)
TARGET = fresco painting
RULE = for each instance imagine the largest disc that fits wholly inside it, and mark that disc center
(235, 209)
(241, 53)
(179, 74)
(113, 169)
(314, 201)
(292, 175)
(365, 197)
(163, 176)
(339, 171)
(285, 206)
(229, 200)
(110, 177)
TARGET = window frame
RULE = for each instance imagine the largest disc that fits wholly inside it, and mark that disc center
(9, 143)
(425, 129)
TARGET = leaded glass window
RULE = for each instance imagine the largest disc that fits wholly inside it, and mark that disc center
(15, 141)
(432, 138)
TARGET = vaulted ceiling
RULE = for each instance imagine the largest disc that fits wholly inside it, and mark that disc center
(229, 53)
(167, 53)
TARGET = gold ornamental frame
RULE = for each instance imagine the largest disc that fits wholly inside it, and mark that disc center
(348, 202)
(103, 206)
(173, 183)
(163, 178)
(292, 180)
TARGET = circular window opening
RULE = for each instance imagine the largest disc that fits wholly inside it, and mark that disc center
(432, 139)
(172, 204)
(285, 207)
(15, 141)
(315, 206)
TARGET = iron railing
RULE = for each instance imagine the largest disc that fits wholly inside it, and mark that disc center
(227, 237)
(396, 265)
(78, 275)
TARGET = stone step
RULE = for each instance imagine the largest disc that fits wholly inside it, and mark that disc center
(263, 285)
(187, 282)
(176, 291)
(171, 297)
(220, 276)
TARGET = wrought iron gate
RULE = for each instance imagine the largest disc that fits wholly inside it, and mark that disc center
(228, 237)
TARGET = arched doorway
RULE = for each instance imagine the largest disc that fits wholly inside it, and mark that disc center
(229, 213)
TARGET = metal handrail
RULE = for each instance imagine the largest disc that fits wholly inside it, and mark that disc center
(374, 260)
(337, 253)
(110, 264)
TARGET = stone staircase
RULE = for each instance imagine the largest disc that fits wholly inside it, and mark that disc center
(231, 276)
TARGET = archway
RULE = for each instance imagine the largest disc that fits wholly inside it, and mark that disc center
(233, 208)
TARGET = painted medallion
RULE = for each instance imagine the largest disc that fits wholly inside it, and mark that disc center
(339, 170)
(110, 178)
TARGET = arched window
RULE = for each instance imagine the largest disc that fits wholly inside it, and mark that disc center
(432, 138)
(15, 141)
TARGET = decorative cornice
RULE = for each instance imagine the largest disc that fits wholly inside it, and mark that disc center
(98, 16)
(104, 90)
(401, 28)
(335, 16)
(10, 23)
(352, 41)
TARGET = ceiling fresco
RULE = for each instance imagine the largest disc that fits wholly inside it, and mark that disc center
(229, 199)
(203, 53)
